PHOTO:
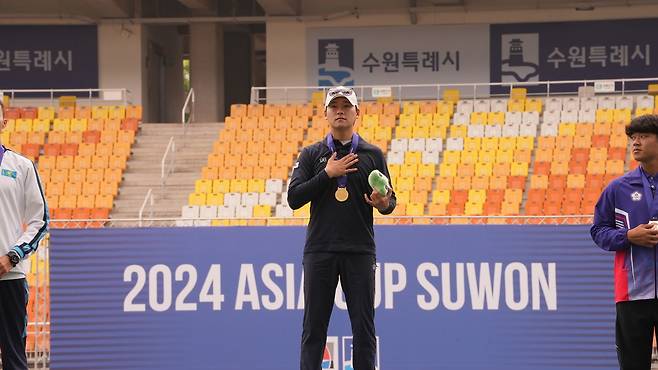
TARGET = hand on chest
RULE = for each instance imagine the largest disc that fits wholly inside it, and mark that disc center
(364, 166)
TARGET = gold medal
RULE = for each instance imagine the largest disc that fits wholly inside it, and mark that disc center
(342, 194)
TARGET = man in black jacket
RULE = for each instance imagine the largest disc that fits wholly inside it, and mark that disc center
(332, 174)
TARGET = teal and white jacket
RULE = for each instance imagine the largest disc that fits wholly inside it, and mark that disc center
(23, 210)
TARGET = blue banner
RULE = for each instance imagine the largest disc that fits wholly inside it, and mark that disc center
(49, 57)
(573, 51)
(456, 297)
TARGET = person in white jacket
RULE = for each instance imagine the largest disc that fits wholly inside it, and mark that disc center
(23, 223)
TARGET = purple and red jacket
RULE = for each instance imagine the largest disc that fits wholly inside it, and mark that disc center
(624, 204)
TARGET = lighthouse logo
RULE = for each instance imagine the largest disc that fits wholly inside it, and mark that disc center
(520, 57)
(336, 62)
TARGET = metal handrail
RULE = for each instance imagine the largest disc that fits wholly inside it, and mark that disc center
(167, 168)
(255, 91)
(13, 92)
(190, 98)
(147, 199)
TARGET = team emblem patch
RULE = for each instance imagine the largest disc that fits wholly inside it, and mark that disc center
(636, 196)
(9, 173)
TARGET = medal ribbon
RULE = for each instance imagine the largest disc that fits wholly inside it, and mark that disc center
(2, 153)
(342, 181)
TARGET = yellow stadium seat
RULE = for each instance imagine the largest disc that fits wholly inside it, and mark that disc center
(409, 170)
(405, 184)
(567, 129)
(477, 195)
(383, 133)
(507, 143)
(489, 143)
(483, 169)
(117, 112)
(518, 93)
(516, 105)
(496, 118)
(533, 105)
(256, 185)
(403, 196)
(215, 199)
(370, 120)
(621, 115)
(23, 125)
(413, 157)
(420, 131)
(424, 119)
(238, 186)
(468, 157)
(519, 169)
(77, 124)
(203, 186)
(426, 169)
(451, 156)
(46, 113)
(262, 211)
(445, 107)
(441, 119)
(448, 169)
(473, 208)
(504, 156)
(487, 156)
(99, 112)
(10, 126)
(63, 125)
(40, 125)
(415, 209)
(642, 111)
(472, 143)
(197, 199)
(478, 118)
(441, 196)
(221, 186)
(459, 131)
(439, 131)
(451, 95)
(525, 142)
(394, 170)
(410, 107)
(367, 133)
(407, 119)
(604, 115)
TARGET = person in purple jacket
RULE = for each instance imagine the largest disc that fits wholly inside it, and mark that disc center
(624, 223)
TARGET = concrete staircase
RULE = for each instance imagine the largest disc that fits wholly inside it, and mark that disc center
(144, 168)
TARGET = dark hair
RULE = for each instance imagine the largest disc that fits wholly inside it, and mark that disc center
(645, 124)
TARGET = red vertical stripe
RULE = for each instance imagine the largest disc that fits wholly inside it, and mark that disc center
(621, 277)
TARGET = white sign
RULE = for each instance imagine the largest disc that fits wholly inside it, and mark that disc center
(398, 56)
(604, 86)
(381, 92)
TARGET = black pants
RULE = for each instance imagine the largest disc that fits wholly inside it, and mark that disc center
(357, 276)
(635, 325)
(13, 323)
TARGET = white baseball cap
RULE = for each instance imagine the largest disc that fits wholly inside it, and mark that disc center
(338, 91)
